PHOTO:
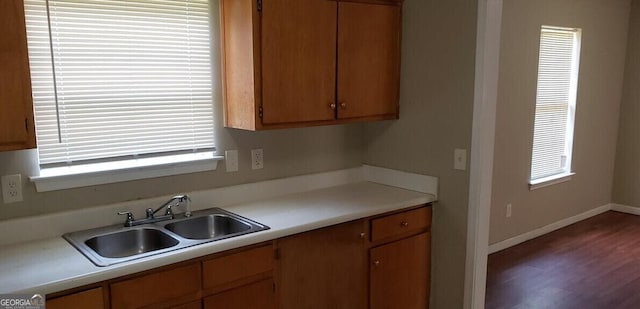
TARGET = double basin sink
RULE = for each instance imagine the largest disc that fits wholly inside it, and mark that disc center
(116, 244)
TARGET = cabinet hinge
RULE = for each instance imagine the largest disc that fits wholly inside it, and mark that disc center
(26, 124)
(260, 112)
(259, 5)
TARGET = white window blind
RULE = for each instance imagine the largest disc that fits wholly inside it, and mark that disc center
(555, 101)
(115, 79)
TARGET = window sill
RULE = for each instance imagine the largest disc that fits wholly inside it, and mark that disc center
(548, 181)
(59, 178)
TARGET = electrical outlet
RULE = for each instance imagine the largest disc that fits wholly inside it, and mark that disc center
(256, 159)
(508, 214)
(231, 160)
(12, 188)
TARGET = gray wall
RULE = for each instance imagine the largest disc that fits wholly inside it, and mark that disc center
(604, 24)
(627, 171)
(286, 153)
(436, 105)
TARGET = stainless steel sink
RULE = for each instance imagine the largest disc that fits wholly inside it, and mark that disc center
(214, 226)
(116, 244)
(130, 242)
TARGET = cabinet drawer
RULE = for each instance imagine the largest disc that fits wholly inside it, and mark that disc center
(256, 295)
(226, 269)
(401, 223)
(90, 299)
(161, 289)
(192, 305)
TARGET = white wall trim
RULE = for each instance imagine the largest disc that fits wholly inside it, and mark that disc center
(626, 209)
(507, 243)
(482, 143)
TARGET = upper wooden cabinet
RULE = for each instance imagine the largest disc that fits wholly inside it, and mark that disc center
(292, 63)
(17, 130)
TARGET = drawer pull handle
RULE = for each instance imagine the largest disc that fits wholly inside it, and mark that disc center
(404, 224)
(362, 235)
(332, 105)
(376, 263)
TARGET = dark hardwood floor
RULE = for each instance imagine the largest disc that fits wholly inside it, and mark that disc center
(594, 263)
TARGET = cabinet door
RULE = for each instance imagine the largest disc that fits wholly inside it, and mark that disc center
(16, 106)
(257, 295)
(323, 268)
(298, 60)
(399, 274)
(368, 60)
(90, 299)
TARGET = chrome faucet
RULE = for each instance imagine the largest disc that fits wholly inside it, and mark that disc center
(151, 214)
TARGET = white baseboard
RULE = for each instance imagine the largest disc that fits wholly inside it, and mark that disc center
(507, 243)
(626, 209)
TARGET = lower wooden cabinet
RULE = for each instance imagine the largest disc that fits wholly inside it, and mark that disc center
(256, 295)
(399, 274)
(90, 299)
(379, 263)
(324, 268)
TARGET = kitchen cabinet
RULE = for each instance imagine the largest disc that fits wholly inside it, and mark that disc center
(17, 130)
(381, 262)
(89, 299)
(324, 268)
(400, 260)
(289, 63)
(399, 274)
(368, 60)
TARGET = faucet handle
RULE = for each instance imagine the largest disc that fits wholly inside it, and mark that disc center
(129, 217)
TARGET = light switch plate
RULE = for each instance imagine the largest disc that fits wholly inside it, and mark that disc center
(231, 160)
(460, 159)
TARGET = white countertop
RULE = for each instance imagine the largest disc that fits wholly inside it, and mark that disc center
(53, 265)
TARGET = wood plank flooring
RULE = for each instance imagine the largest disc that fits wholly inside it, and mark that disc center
(594, 263)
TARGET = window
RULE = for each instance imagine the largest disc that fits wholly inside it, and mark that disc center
(120, 80)
(555, 104)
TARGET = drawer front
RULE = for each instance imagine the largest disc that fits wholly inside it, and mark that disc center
(162, 288)
(90, 299)
(192, 305)
(259, 295)
(226, 269)
(403, 223)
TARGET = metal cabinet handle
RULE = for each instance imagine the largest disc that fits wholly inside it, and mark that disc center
(404, 224)
(343, 104)
(376, 263)
(332, 105)
(362, 235)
